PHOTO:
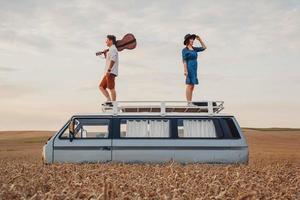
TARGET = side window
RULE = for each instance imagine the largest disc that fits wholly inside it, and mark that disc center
(67, 131)
(196, 128)
(89, 128)
(144, 128)
(229, 128)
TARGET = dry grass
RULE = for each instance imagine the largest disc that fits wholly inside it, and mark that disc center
(270, 175)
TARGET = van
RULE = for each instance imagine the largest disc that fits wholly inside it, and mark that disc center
(150, 132)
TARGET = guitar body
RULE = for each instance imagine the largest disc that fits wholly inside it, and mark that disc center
(127, 42)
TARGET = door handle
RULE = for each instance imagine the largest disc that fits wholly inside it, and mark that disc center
(106, 148)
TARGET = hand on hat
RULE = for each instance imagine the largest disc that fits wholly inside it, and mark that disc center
(201, 42)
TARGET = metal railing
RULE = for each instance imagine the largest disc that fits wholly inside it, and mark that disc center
(163, 107)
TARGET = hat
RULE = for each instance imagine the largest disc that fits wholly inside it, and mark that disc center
(187, 37)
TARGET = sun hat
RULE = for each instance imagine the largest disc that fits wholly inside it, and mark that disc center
(187, 37)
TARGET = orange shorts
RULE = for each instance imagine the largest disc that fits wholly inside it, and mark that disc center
(108, 81)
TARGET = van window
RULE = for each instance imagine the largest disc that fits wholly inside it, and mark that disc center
(143, 128)
(196, 128)
(89, 128)
(229, 128)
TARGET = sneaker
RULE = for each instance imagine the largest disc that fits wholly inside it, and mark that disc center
(196, 103)
(190, 104)
(108, 104)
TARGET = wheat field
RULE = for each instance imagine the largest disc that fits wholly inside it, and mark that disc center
(273, 172)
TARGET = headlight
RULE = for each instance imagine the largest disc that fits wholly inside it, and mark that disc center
(43, 153)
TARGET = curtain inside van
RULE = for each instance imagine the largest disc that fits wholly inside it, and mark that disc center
(147, 128)
(137, 128)
(158, 128)
(199, 128)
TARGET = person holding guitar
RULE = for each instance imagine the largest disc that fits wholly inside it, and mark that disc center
(111, 70)
(112, 64)
(189, 58)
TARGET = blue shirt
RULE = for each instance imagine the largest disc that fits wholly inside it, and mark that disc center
(190, 57)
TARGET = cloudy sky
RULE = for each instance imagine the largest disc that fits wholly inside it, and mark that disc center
(49, 71)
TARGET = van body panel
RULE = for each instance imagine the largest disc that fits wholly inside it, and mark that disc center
(142, 150)
(180, 150)
(222, 155)
(135, 156)
(83, 150)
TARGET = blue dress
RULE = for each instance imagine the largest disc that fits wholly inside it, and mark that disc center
(190, 57)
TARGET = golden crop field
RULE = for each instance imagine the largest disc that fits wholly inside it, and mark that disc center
(272, 173)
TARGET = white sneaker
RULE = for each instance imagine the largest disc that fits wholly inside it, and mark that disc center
(190, 104)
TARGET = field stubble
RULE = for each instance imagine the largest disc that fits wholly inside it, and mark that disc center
(272, 173)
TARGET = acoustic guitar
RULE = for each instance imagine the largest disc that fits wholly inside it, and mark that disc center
(127, 42)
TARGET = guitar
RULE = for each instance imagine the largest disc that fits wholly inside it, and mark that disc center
(127, 42)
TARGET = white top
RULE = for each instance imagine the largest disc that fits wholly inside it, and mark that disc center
(112, 55)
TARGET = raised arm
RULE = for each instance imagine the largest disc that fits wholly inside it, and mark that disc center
(201, 42)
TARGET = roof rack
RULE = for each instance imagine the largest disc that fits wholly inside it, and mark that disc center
(164, 107)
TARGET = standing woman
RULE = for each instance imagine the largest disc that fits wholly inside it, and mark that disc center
(189, 57)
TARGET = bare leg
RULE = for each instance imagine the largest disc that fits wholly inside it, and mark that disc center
(113, 94)
(105, 93)
(189, 92)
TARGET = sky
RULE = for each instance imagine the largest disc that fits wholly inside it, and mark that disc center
(49, 71)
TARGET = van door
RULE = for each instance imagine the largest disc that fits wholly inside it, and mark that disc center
(89, 140)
